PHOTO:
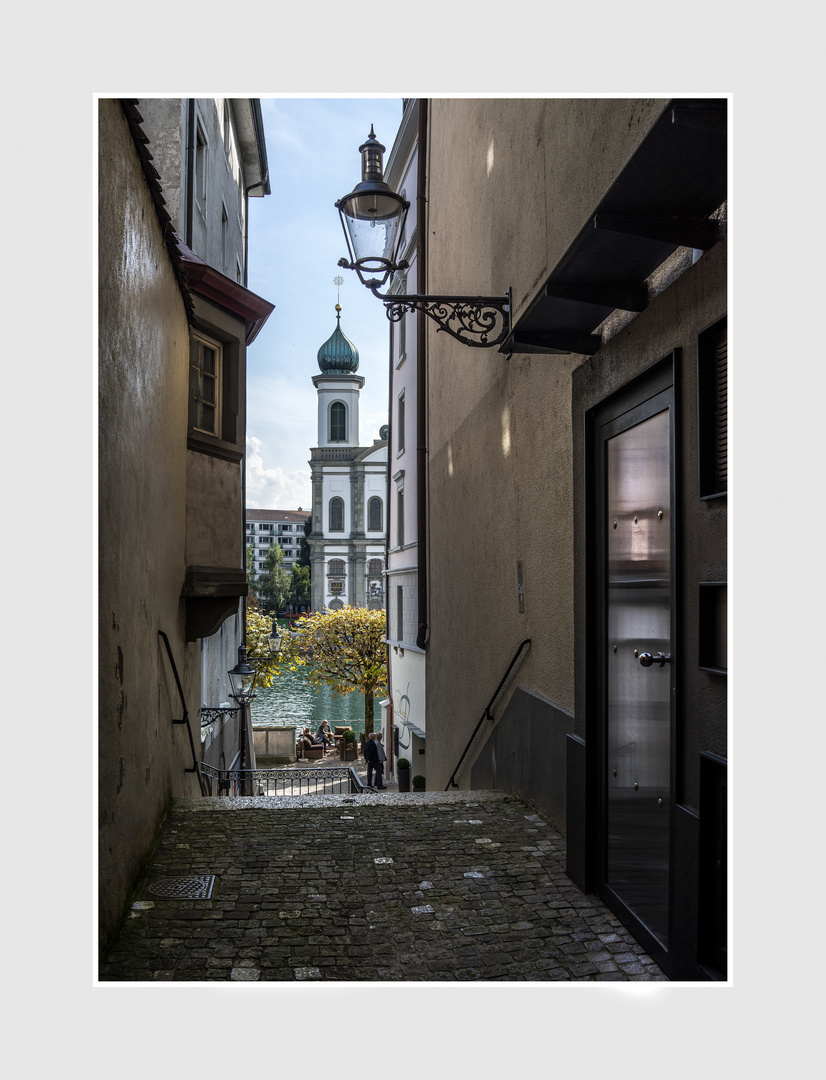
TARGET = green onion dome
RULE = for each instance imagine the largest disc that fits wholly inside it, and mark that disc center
(337, 353)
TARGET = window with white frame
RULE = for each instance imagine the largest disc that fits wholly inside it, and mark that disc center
(374, 515)
(200, 168)
(400, 425)
(224, 238)
(336, 514)
(205, 362)
(338, 422)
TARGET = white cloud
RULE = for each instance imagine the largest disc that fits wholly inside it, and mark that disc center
(274, 489)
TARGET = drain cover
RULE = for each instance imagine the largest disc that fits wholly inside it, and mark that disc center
(183, 888)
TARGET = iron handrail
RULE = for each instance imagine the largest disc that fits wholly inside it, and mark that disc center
(285, 777)
(185, 719)
(486, 714)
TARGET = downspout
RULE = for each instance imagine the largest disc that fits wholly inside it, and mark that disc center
(261, 183)
(421, 382)
(190, 170)
(387, 502)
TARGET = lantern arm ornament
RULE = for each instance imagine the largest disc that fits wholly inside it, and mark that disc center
(373, 218)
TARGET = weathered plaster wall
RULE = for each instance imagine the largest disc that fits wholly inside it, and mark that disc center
(213, 538)
(143, 387)
(511, 183)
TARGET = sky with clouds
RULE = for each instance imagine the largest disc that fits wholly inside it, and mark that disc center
(295, 242)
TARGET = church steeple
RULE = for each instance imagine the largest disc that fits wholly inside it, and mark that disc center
(338, 354)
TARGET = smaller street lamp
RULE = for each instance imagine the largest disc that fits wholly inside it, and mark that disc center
(242, 681)
(242, 678)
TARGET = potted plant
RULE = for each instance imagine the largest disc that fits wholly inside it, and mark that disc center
(418, 783)
(349, 744)
(403, 773)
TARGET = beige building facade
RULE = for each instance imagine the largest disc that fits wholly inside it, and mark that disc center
(577, 491)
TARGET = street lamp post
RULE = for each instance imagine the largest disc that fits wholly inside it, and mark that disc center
(242, 681)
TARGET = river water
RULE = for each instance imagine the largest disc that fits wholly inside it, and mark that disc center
(292, 700)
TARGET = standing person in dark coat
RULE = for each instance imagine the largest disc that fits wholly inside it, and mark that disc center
(382, 758)
(371, 756)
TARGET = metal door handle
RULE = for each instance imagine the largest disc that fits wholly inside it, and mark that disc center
(646, 659)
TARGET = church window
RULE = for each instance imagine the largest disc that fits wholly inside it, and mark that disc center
(336, 605)
(374, 567)
(335, 567)
(374, 514)
(336, 514)
(338, 422)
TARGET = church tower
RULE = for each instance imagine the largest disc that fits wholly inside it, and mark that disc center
(349, 487)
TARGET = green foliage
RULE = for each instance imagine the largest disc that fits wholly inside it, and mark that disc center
(268, 666)
(345, 650)
(274, 586)
(304, 555)
(418, 781)
(300, 585)
(402, 763)
(349, 735)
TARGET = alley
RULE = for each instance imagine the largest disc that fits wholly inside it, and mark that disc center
(451, 886)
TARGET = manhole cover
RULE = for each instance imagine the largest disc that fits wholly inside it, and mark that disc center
(183, 888)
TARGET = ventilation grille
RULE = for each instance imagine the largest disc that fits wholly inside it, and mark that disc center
(712, 387)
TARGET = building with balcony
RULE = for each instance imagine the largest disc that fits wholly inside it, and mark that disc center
(267, 527)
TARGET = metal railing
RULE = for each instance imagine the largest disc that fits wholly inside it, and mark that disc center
(486, 714)
(327, 781)
(185, 718)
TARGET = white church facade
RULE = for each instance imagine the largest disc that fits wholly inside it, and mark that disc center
(349, 484)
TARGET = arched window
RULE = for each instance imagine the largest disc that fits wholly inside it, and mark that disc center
(338, 422)
(374, 515)
(336, 514)
(335, 567)
(374, 567)
(335, 605)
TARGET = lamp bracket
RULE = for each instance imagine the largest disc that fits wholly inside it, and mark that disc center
(480, 321)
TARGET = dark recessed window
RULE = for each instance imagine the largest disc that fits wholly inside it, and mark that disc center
(374, 514)
(336, 515)
(712, 391)
(338, 422)
(713, 647)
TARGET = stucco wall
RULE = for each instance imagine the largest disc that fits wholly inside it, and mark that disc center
(511, 183)
(213, 538)
(143, 387)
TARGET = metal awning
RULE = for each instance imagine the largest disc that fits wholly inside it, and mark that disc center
(662, 200)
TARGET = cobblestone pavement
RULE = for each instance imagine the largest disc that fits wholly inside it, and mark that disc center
(442, 886)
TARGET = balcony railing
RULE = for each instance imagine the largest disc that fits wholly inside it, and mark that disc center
(328, 781)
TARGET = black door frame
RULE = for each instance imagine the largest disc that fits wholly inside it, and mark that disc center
(637, 400)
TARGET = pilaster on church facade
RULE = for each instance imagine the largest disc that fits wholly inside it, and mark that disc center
(349, 484)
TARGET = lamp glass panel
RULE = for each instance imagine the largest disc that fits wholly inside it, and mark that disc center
(373, 224)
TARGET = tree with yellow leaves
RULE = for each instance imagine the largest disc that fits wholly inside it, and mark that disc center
(345, 650)
(268, 665)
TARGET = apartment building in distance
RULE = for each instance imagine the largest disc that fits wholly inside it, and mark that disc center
(267, 527)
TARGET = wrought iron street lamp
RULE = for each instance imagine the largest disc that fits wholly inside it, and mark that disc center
(373, 218)
(242, 678)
